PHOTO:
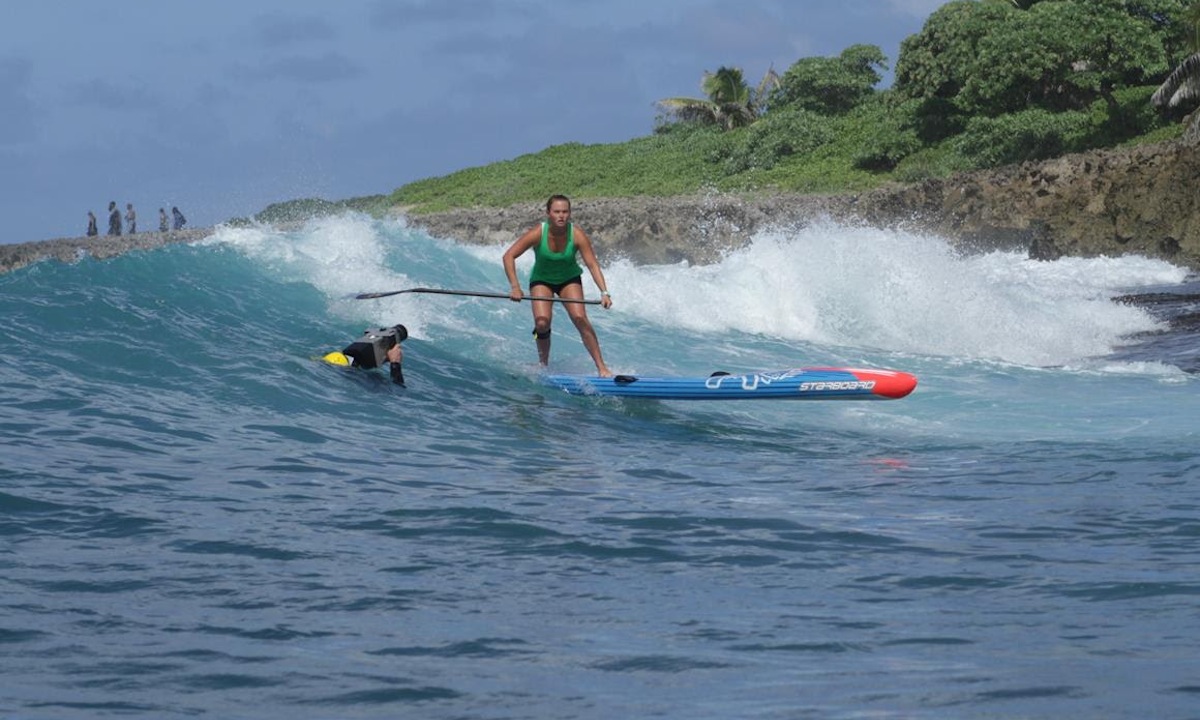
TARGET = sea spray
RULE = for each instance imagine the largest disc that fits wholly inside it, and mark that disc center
(824, 286)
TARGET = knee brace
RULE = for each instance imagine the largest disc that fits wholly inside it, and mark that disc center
(541, 335)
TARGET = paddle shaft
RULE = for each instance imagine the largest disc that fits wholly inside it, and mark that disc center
(469, 293)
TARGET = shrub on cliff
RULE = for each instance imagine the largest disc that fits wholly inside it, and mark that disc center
(1030, 135)
(780, 134)
(1129, 116)
(297, 210)
(888, 128)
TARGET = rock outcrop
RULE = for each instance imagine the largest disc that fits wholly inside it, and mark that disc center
(1137, 201)
(1140, 201)
(100, 246)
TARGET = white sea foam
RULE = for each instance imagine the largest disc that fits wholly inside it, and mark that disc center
(825, 286)
(831, 284)
(339, 256)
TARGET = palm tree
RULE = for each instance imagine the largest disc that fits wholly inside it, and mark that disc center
(731, 103)
(1182, 86)
(770, 83)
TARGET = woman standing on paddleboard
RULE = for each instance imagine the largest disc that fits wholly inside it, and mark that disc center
(555, 243)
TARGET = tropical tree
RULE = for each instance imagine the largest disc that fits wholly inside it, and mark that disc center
(1181, 89)
(1063, 55)
(937, 62)
(832, 86)
(1182, 86)
(995, 57)
(1191, 25)
(730, 102)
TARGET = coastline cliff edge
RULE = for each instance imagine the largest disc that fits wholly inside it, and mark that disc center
(1137, 200)
(1100, 203)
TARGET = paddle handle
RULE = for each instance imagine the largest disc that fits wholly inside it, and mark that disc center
(468, 293)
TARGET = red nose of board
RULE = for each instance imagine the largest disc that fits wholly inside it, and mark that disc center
(888, 383)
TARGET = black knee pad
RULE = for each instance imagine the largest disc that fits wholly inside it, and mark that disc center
(541, 335)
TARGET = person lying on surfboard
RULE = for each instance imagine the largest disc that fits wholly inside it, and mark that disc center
(374, 348)
(556, 271)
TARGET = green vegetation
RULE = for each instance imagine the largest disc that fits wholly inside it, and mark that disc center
(729, 103)
(984, 83)
(307, 208)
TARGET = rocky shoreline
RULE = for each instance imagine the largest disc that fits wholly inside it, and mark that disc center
(1101, 203)
(17, 256)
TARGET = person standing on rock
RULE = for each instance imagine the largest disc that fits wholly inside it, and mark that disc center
(92, 230)
(180, 220)
(163, 225)
(555, 243)
(114, 219)
(130, 218)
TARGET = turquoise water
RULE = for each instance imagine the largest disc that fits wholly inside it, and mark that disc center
(199, 519)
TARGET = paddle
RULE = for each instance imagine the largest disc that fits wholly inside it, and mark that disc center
(470, 293)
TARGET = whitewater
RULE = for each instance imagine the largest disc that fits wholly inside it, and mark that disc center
(200, 518)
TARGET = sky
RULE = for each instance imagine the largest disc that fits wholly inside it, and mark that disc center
(222, 107)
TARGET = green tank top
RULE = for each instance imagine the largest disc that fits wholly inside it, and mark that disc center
(555, 268)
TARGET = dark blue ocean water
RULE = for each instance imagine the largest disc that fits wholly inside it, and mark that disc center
(197, 519)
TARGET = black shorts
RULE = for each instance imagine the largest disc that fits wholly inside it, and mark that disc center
(558, 287)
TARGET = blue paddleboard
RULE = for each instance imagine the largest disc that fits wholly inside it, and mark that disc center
(818, 383)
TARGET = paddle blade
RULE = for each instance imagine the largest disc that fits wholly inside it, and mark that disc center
(373, 295)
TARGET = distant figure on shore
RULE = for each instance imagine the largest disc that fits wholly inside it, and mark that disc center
(130, 218)
(92, 230)
(162, 220)
(114, 219)
(180, 220)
